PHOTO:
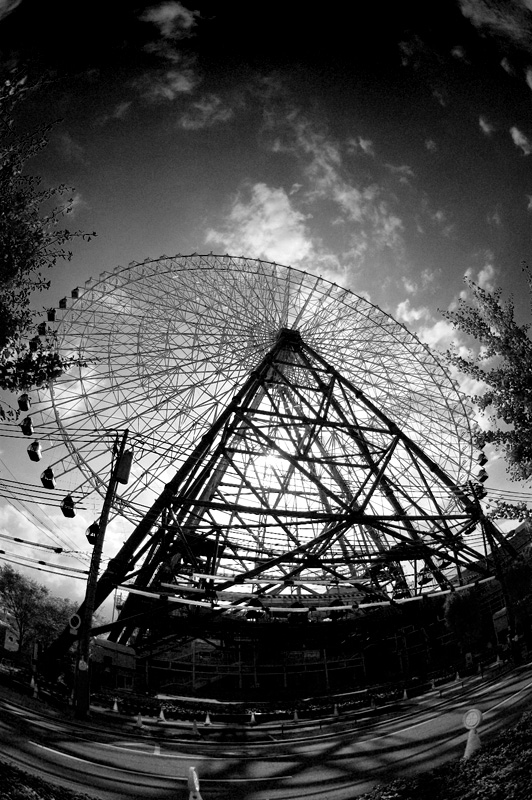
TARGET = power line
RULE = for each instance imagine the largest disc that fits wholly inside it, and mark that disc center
(23, 561)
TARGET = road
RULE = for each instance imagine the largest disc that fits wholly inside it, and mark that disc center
(337, 762)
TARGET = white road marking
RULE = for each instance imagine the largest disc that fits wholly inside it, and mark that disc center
(158, 775)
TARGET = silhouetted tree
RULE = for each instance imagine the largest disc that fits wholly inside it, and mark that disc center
(31, 241)
(32, 613)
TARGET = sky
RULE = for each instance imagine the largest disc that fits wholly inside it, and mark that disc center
(388, 148)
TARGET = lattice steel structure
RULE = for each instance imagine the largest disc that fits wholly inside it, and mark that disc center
(289, 436)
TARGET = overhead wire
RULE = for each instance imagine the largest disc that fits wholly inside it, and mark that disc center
(63, 540)
(40, 566)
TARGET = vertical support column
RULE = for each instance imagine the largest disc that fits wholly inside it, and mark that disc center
(82, 681)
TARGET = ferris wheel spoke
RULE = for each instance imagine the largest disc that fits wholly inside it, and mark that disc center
(169, 343)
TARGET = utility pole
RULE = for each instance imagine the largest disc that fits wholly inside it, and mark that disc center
(119, 474)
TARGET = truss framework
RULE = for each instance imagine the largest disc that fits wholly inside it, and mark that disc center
(317, 442)
(301, 479)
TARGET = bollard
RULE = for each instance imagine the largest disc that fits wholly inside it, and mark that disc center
(471, 720)
(473, 743)
(252, 719)
(139, 720)
(193, 785)
(195, 730)
(335, 710)
(296, 716)
(35, 690)
(405, 695)
(207, 719)
(161, 717)
(115, 706)
(457, 678)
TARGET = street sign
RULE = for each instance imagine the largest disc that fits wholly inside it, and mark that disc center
(75, 623)
(472, 718)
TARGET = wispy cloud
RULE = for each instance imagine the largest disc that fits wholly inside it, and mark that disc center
(172, 19)
(167, 84)
(366, 145)
(431, 145)
(521, 141)
(511, 19)
(365, 209)
(485, 126)
(119, 112)
(204, 113)
(459, 53)
(403, 171)
(7, 6)
(177, 75)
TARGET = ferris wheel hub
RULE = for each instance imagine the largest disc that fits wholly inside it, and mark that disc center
(289, 336)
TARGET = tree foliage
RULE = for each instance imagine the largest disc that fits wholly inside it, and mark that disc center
(32, 613)
(503, 365)
(31, 241)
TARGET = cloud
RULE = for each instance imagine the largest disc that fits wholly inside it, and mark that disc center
(431, 145)
(204, 113)
(405, 313)
(440, 335)
(367, 146)
(121, 110)
(7, 6)
(521, 141)
(485, 126)
(365, 210)
(263, 222)
(485, 275)
(167, 84)
(75, 204)
(528, 77)
(402, 170)
(529, 202)
(177, 76)
(410, 286)
(511, 20)
(459, 52)
(173, 20)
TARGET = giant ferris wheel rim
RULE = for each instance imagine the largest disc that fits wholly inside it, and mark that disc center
(76, 322)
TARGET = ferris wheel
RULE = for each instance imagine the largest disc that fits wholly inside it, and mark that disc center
(313, 437)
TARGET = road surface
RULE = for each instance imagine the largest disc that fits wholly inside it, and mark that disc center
(122, 762)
